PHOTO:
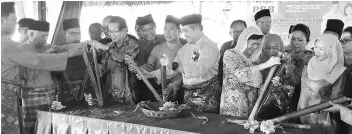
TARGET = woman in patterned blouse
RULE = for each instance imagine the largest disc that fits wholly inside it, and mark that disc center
(242, 77)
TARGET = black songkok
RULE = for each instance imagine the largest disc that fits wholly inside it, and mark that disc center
(42, 26)
(173, 19)
(71, 23)
(7, 8)
(191, 19)
(262, 13)
(25, 22)
(334, 25)
(145, 20)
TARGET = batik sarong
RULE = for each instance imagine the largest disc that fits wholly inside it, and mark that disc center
(9, 112)
(203, 97)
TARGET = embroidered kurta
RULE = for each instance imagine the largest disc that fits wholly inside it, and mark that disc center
(118, 75)
(200, 62)
(242, 80)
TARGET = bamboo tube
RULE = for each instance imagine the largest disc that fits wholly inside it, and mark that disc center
(163, 81)
(279, 72)
(97, 73)
(145, 80)
(310, 109)
(92, 78)
(261, 95)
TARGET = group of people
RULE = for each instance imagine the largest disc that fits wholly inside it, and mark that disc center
(199, 75)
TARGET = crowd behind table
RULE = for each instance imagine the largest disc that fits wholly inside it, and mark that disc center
(199, 75)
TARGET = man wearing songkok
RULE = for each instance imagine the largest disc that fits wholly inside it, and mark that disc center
(167, 49)
(118, 81)
(14, 61)
(263, 20)
(236, 28)
(146, 44)
(76, 67)
(198, 62)
(30, 71)
(23, 26)
(105, 29)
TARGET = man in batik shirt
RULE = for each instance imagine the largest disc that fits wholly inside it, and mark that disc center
(198, 62)
(118, 76)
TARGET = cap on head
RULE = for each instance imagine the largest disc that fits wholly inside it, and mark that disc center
(7, 8)
(145, 20)
(25, 22)
(191, 19)
(262, 13)
(173, 19)
(42, 26)
(70, 23)
(334, 25)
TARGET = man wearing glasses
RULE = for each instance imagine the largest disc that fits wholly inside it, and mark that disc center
(346, 41)
(263, 20)
(118, 82)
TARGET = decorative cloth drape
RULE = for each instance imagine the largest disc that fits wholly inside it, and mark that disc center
(69, 9)
(63, 124)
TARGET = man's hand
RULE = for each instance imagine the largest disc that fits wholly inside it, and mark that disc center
(98, 45)
(130, 62)
(75, 51)
(168, 90)
(146, 74)
(334, 108)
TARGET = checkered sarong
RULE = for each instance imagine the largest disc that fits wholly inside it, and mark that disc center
(9, 114)
(35, 99)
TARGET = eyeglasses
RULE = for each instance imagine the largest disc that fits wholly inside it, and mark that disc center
(345, 41)
(113, 32)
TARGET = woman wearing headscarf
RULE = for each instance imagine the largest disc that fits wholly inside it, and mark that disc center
(278, 102)
(300, 57)
(242, 77)
(320, 78)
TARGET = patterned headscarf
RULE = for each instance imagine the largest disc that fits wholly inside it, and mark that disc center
(330, 68)
(243, 39)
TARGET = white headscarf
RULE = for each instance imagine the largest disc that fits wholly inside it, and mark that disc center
(243, 39)
(330, 68)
